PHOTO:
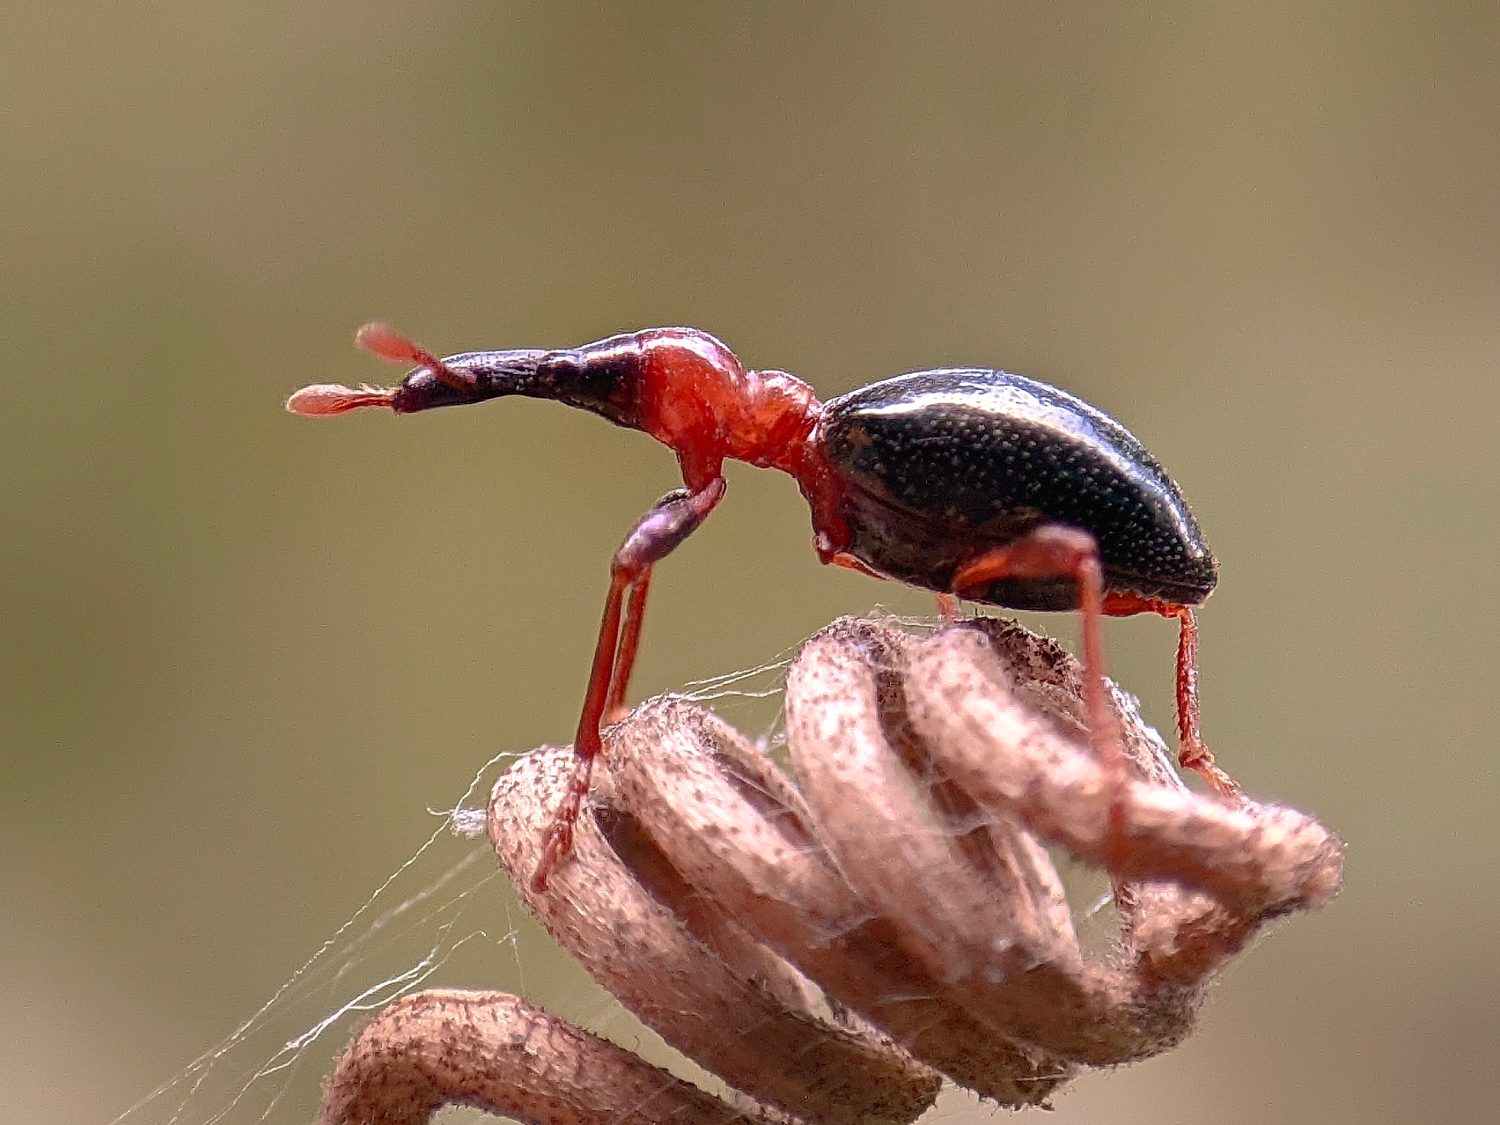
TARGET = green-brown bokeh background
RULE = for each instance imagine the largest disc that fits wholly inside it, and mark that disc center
(243, 652)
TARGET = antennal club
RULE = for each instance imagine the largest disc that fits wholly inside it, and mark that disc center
(381, 339)
(322, 399)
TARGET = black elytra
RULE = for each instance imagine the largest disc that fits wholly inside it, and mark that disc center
(941, 465)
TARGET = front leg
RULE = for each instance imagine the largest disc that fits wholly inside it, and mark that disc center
(659, 532)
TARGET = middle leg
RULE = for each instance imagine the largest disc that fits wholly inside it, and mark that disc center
(1053, 551)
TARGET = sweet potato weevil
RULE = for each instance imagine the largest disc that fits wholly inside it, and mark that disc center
(968, 482)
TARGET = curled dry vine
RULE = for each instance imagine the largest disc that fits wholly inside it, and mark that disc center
(833, 951)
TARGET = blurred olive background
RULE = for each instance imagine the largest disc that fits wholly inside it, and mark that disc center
(244, 653)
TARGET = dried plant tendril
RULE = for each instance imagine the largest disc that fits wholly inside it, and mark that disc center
(835, 948)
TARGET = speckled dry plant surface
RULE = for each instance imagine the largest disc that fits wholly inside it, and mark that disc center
(834, 950)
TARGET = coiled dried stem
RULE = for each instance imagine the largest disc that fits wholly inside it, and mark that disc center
(833, 951)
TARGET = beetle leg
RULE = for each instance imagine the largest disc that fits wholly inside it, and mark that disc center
(948, 608)
(849, 562)
(1191, 752)
(635, 609)
(630, 641)
(1055, 551)
(671, 520)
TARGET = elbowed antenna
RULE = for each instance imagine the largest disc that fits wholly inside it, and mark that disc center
(460, 379)
(382, 340)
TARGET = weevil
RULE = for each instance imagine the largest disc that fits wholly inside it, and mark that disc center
(969, 482)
